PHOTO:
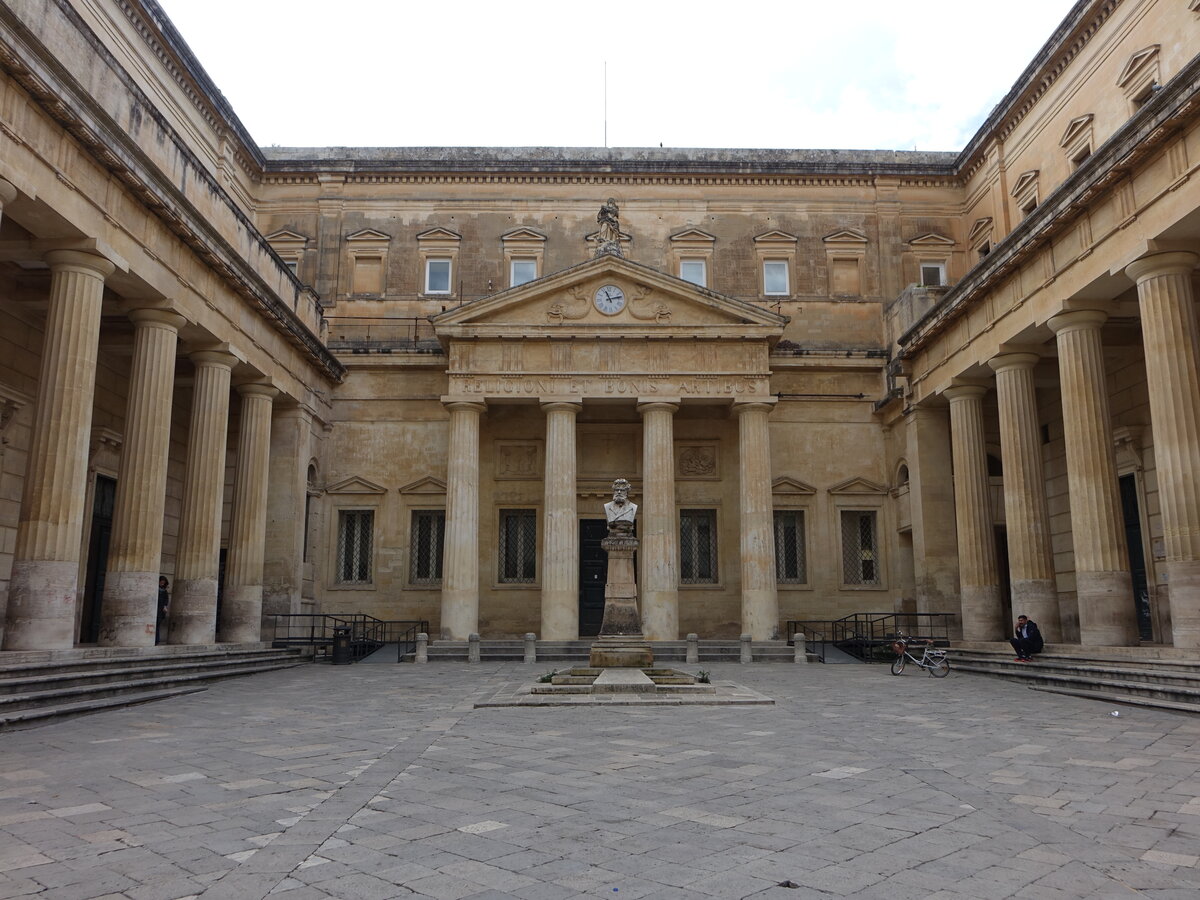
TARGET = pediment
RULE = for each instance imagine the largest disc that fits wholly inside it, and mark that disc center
(427, 485)
(775, 237)
(522, 234)
(562, 304)
(846, 236)
(594, 236)
(980, 229)
(1026, 181)
(355, 485)
(1134, 65)
(368, 234)
(930, 239)
(439, 234)
(786, 485)
(286, 237)
(858, 486)
(1076, 127)
(693, 236)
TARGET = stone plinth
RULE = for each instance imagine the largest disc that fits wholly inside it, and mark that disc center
(621, 643)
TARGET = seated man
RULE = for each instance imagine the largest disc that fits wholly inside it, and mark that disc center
(1028, 639)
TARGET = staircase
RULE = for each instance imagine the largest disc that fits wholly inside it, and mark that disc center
(1158, 677)
(37, 687)
(578, 651)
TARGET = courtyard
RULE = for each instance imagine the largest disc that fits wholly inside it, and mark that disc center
(385, 781)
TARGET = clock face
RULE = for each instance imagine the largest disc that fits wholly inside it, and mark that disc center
(610, 299)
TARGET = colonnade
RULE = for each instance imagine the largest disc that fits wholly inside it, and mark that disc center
(1107, 615)
(44, 586)
(658, 524)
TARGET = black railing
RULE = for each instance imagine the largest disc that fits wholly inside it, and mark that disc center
(367, 633)
(868, 636)
(381, 334)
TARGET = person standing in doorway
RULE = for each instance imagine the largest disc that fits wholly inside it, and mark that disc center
(1027, 640)
(164, 600)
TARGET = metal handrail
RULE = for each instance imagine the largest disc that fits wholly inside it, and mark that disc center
(862, 634)
(367, 633)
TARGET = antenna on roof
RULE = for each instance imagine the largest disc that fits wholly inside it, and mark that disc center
(606, 104)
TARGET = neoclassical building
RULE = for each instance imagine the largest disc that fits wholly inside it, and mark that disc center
(400, 381)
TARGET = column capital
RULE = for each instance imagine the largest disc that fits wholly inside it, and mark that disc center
(8, 193)
(1077, 320)
(745, 406)
(454, 404)
(572, 406)
(1174, 262)
(670, 405)
(213, 358)
(1014, 359)
(258, 389)
(157, 315)
(960, 392)
(79, 259)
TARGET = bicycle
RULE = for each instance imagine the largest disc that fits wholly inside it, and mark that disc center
(932, 660)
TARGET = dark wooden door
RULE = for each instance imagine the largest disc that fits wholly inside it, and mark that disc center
(593, 573)
(1137, 556)
(103, 498)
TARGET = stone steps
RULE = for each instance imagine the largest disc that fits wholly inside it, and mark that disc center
(46, 688)
(578, 651)
(1162, 680)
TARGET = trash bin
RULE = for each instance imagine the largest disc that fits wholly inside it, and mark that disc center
(341, 646)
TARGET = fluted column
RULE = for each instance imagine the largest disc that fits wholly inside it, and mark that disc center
(560, 537)
(241, 606)
(129, 613)
(659, 530)
(41, 594)
(460, 559)
(1102, 582)
(193, 610)
(1169, 333)
(931, 499)
(979, 579)
(283, 568)
(1030, 556)
(760, 602)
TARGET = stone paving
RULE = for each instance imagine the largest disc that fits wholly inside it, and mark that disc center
(384, 781)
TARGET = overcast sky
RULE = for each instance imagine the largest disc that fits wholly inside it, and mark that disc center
(862, 74)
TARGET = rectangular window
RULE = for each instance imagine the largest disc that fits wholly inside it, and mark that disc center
(694, 270)
(775, 276)
(355, 530)
(698, 546)
(933, 274)
(522, 270)
(860, 550)
(437, 276)
(518, 546)
(428, 534)
(791, 565)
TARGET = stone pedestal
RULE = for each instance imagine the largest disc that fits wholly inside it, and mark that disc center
(621, 642)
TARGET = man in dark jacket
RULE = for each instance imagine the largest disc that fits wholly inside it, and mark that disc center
(1028, 639)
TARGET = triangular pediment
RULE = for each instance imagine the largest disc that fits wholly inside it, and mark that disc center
(426, 485)
(979, 229)
(775, 237)
(368, 234)
(439, 234)
(857, 486)
(355, 485)
(786, 485)
(846, 236)
(694, 235)
(1136, 63)
(1075, 129)
(930, 239)
(522, 234)
(652, 303)
(286, 237)
(1024, 182)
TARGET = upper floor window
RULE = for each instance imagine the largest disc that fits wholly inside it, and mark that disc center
(521, 271)
(694, 270)
(437, 276)
(775, 277)
(933, 274)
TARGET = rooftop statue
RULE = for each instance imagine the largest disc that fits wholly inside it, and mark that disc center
(608, 238)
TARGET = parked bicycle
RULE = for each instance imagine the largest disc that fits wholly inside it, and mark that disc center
(931, 660)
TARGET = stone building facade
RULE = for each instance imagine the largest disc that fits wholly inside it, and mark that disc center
(399, 381)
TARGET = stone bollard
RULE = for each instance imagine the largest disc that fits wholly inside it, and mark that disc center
(801, 647)
(422, 648)
(693, 648)
(472, 648)
(530, 647)
(746, 657)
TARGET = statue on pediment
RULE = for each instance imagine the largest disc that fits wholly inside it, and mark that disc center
(608, 237)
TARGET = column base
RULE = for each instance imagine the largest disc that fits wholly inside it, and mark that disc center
(660, 615)
(193, 618)
(1037, 598)
(560, 615)
(760, 615)
(129, 613)
(41, 605)
(1183, 576)
(1106, 613)
(241, 614)
(981, 614)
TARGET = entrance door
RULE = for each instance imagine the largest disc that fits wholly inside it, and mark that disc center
(593, 573)
(104, 495)
(1137, 556)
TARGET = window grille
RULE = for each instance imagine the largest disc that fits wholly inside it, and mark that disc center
(698, 546)
(791, 565)
(428, 535)
(860, 551)
(518, 546)
(355, 528)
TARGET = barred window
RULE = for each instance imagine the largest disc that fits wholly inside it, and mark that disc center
(425, 551)
(698, 546)
(518, 546)
(860, 550)
(791, 564)
(355, 529)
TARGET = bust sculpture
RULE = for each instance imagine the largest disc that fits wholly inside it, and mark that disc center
(620, 513)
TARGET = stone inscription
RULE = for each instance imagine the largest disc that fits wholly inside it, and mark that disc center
(610, 386)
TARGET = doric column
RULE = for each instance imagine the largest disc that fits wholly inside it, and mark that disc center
(982, 617)
(560, 537)
(1169, 333)
(287, 495)
(129, 613)
(241, 606)
(41, 594)
(931, 502)
(193, 611)
(1030, 557)
(760, 602)
(1102, 582)
(460, 557)
(8, 194)
(659, 530)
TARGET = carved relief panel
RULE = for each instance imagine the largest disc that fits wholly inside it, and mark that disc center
(697, 461)
(518, 460)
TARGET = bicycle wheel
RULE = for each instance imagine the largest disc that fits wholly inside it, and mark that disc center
(940, 668)
(897, 665)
